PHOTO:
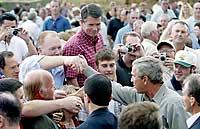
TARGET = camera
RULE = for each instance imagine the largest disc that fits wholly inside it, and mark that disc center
(132, 48)
(14, 31)
(162, 56)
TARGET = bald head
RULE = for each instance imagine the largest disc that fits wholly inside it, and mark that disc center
(49, 43)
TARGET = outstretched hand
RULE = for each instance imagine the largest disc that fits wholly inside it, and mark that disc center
(77, 63)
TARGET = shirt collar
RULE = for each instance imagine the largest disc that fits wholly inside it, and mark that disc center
(190, 121)
(158, 97)
(90, 40)
(99, 111)
(56, 18)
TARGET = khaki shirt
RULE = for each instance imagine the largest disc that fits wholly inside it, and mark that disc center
(171, 103)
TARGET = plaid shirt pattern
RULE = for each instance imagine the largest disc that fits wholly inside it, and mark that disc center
(83, 44)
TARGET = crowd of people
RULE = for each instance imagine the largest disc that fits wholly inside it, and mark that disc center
(66, 67)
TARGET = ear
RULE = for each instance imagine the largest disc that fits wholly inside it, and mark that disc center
(2, 121)
(81, 22)
(188, 32)
(192, 101)
(193, 69)
(42, 93)
(145, 79)
(88, 99)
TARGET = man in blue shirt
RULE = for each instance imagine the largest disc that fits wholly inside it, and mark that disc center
(133, 16)
(56, 22)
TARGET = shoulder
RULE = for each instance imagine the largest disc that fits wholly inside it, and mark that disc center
(105, 120)
(28, 64)
(190, 19)
(123, 29)
(47, 19)
(35, 58)
(172, 98)
(61, 18)
(196, 124)
(72, 48)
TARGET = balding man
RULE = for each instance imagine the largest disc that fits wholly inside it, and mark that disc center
(49, 58)
(39, 85)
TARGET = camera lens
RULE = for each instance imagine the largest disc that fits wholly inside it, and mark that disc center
(162, 58)
(130, 49)
(15, 32)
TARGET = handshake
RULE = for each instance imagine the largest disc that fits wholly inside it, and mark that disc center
(77, 63)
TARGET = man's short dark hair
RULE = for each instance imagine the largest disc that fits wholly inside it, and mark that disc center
(183, 23)
(104, 54)
(92, 10)
(193, 89)
(99, 89)
(141, 115)
(197, 24)
(9, 85)
(7, 16)
(10, 108)
(3, 55)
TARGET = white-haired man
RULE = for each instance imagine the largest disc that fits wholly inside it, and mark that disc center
(150, 34)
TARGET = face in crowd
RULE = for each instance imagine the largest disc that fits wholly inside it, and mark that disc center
(51, 45)
(91, 26)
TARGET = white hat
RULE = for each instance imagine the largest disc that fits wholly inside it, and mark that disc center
(76, 9)
(185, 58)
(165, 42)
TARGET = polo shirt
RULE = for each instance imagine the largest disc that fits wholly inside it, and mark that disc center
(58, 25)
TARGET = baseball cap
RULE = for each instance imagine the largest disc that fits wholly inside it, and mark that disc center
(76, 9)
(165, 42)
(185, 58)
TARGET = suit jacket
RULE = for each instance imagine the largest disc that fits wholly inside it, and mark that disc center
(196, 124)
(100, 119)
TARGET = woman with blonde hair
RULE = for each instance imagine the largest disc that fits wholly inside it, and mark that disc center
(167, 31)
(186, 11)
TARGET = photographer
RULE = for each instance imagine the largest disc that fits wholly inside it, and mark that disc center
(15, 39)
(166, 53)
(134, 50)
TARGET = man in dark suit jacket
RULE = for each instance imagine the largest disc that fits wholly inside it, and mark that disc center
(191, 96)
(98, 90)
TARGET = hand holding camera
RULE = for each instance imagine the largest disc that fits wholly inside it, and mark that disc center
(14, 31)
(135, 49)
(22, 33)
(162, 56)
(167, 61)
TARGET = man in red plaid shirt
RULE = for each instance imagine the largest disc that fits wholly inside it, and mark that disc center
(86, 42)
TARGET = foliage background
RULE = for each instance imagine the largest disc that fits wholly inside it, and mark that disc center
(8, 4)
